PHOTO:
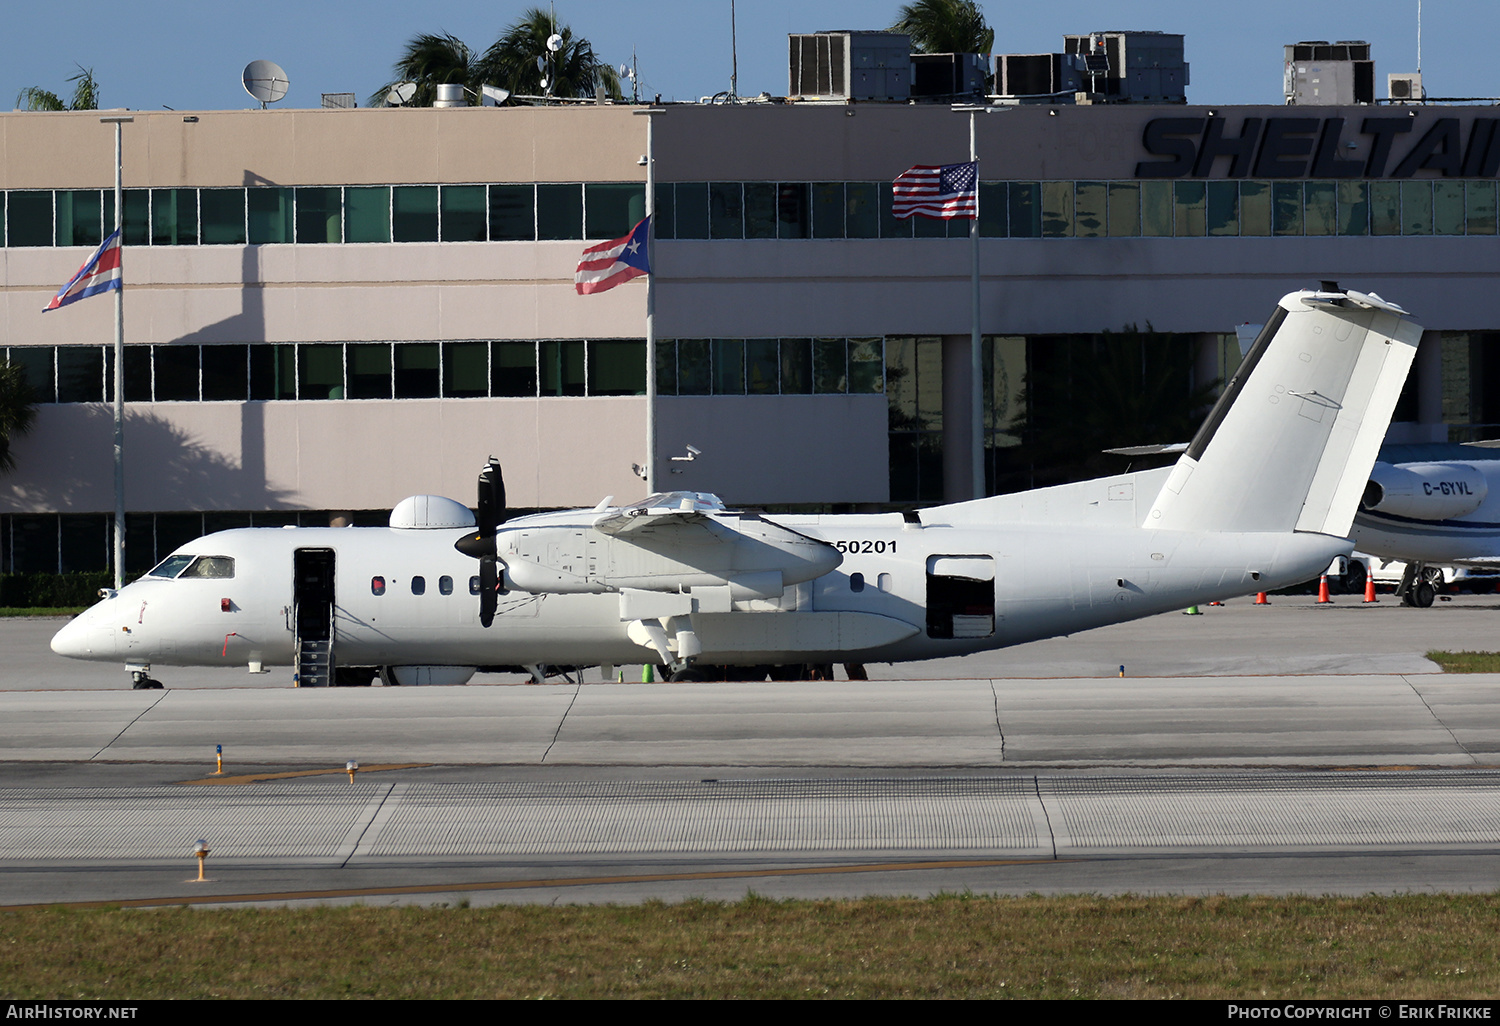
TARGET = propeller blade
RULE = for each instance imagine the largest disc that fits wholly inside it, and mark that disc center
(491, 513)
(488, 581)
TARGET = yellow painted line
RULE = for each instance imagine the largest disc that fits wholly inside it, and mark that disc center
(255, 778)
(512, 885)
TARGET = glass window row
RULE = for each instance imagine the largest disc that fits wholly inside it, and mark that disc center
(451, 370)
(337, 370)
(333, 214)
(1083, 209)
(770, 366)
(748, 210)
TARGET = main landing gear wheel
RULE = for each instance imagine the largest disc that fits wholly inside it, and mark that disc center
(141, 682)
(1423, 595)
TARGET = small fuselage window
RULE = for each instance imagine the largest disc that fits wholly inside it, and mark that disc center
(445, 585)
(419, 585)
(377, 585)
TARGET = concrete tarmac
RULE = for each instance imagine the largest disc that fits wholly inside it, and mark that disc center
(1032, 769)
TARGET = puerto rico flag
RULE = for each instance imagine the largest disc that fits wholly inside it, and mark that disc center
(946, 192)
(99, 273)
(608, 264)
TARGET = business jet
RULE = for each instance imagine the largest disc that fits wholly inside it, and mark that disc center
(1262, 498)
(1429, 515)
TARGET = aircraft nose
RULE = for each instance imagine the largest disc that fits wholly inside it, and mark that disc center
(86, 636)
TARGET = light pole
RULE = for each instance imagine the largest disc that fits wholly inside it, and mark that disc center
(119, 384)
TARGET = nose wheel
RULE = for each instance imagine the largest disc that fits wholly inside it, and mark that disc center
(142, 682)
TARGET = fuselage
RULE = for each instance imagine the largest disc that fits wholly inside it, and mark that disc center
(1446, 512)
(903, 592)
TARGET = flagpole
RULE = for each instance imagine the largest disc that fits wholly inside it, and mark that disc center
(119, 382)
(649, 114)
(976, 358)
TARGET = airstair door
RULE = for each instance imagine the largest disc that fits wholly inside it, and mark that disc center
(312, 601)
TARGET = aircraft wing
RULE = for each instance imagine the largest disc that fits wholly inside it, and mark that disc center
(626, 522)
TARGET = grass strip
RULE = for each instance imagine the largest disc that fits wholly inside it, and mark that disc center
(41, 610)
(1467, 662)
(1408, 946)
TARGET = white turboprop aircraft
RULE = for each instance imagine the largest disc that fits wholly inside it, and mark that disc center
(1263, 498)
(1428, 514)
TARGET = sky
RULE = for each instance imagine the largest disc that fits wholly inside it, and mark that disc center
(188, 55)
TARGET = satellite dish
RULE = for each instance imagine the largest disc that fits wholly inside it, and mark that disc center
(265, 81)
(544, 83)
(554, 42)
(541, 64)
(493, 95)
(401, 93)
(624, 69)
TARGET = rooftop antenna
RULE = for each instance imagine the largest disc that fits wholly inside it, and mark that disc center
(734, 57)
(554, 44)
(631, 72)
(265, 81)
(401, 94)
(1419, 37)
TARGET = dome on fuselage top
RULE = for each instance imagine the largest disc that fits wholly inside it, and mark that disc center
(430, 512)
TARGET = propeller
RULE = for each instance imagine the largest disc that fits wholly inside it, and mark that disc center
(481, 545)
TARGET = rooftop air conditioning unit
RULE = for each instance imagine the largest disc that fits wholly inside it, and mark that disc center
(1405, 88)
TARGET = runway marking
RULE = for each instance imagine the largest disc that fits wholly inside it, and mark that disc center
(256, 778)
(511, 885)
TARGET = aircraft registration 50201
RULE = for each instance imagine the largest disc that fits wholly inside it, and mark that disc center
(1262, 498)
(879, 546)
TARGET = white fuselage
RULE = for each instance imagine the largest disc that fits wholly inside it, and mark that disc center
(1043, 582)
(1449, 514)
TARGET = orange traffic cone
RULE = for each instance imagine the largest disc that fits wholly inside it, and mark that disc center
(1323, 598)
(1370, 590)
(1261, 600)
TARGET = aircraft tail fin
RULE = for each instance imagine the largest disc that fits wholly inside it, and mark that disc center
(1290, 443)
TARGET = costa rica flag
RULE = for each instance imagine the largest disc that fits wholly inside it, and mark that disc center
(99, 273)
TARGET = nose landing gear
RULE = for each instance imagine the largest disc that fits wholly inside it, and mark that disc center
(142, 682)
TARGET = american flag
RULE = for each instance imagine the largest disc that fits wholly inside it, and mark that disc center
(609, 263)
(99, 273)
(946, 192)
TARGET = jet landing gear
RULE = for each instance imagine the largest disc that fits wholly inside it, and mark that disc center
(140, 681)
(1418, 585)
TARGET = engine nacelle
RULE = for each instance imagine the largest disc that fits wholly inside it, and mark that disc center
(1425, 491)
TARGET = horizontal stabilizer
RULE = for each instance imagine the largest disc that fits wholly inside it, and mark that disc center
(1148, 450)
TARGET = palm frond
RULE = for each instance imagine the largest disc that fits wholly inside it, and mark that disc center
(35, 98)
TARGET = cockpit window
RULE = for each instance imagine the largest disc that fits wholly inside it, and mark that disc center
(171, 566)
(210, 566)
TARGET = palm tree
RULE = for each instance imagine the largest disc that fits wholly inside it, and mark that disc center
(945, 26)
(85, 95)
(571, 70)
(16, 410)
(430, 61)
(511, 62)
